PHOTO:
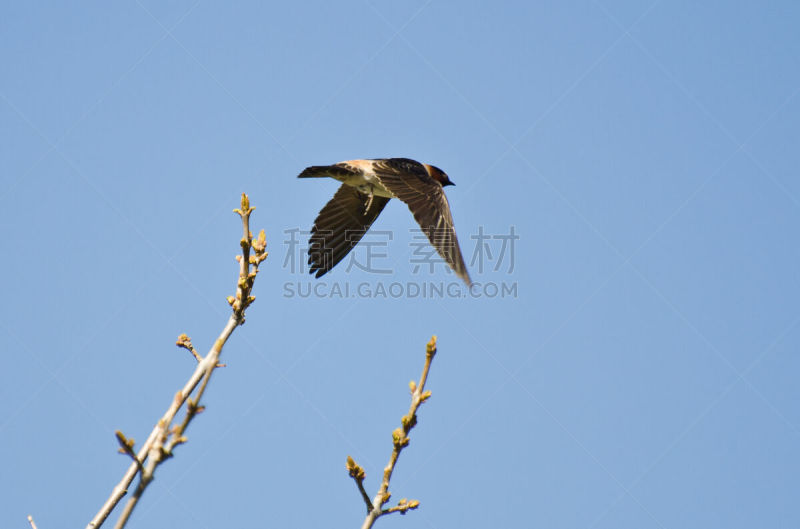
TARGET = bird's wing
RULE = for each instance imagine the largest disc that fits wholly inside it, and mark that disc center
(428, 203)
(339, 226)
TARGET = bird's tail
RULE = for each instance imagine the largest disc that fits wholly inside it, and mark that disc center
(320, 171)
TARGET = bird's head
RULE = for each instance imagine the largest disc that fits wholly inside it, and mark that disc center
(438, 175)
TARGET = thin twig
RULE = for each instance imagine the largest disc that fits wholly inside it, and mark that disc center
(403, 506)
(357, 473)
(399, 441)
(126, 447)
(163, 438)
(186, 342)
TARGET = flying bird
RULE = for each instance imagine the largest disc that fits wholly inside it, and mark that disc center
(367, 185)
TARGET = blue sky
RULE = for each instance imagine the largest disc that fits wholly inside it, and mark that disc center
(644, 374)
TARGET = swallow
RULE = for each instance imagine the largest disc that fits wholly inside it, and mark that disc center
(367, 186)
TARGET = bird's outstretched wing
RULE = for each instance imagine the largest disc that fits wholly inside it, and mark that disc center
(428, 203)
(339, 226)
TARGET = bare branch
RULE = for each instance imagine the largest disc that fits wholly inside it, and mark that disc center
(399, 441)
(159, 444)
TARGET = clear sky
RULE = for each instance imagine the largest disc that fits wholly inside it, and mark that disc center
(639, 160)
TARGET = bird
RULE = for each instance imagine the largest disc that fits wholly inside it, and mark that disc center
(367, 186)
